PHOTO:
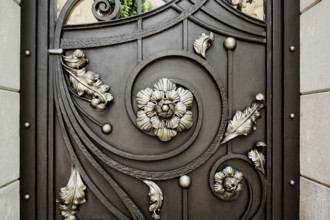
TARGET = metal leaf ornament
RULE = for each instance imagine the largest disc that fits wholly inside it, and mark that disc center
(71, 196)
(257, 157)
(86, 82)
(156, 198)
(245, 122)
(203, 43)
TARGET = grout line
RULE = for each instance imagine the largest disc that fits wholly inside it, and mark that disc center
(9, 183)
(311, 5)
(18, 2)
(9, 89)
(315, 181)
(315, 92)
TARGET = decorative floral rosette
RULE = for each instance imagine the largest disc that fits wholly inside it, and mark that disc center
(164, 109)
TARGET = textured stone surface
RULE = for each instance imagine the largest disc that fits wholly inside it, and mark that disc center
(314, 137)
(315, 44)
(306, 3)
(9, 202)
(314, 201)
(9, 137)
(9, 44)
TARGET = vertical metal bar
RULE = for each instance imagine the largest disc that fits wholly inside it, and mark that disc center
(185, 34)
(185, 204)
(27, 112)
(291, 99)
(139, 23)
(270, 94)
(41, 108)
(50, 144)
(139, 6)
(230, 90)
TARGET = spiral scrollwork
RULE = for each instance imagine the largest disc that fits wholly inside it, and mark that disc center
(106, 10)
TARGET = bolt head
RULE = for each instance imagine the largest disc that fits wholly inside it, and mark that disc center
(27, 53)
(292, 116)
(26, 124)
(292, 48)
(292, 182)
(26, 196)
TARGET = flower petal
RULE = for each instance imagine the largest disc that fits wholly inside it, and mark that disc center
(149, 109)
(143, 121)
(143, 97)
(157, 96)
(164, 85)
(180, 109)
(185, 96)
(173, 122)
(219, 177)
(218, 188)
(157, 123)
(165, 134)
(173, 96)
(228, 171)
(186, 121)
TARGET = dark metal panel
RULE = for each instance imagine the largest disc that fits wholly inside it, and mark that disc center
(28, 110)
(291, 110)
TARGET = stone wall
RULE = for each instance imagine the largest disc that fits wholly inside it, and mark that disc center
(9, 108)
(315, 106)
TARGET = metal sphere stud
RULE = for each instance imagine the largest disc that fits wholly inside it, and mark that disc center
(106, 128)
(185, 181)
(230, 43)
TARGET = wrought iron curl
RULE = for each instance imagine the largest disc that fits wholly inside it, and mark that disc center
(262, 180)
(103, 10)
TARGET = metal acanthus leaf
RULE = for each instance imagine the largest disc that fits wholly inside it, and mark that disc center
(156, 198)
(244, 123)
(71, 196)
(86, 82)
(257, 157)
(203, 43)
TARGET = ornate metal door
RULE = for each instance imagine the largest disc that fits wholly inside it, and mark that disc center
(176, 113)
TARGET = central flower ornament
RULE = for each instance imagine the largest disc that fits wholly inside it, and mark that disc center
(164, 109)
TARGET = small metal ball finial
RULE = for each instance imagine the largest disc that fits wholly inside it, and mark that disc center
(185, 181)
(106, 128)
(230, 43)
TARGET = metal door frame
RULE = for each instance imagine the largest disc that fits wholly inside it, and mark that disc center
(36, 103)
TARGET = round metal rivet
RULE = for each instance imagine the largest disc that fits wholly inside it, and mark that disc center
(292, 48)
(185, 181)
(27, 53)
(106, 128)
(27, 124)
(230, 43)
(292, 116)
(292, 182)
(26, 196)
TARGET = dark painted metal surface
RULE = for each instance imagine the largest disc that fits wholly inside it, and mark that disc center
(133, 54)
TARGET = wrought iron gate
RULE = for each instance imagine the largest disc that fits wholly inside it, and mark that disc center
(189, 111)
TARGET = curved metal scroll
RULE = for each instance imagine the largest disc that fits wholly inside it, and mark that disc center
(248, 211)
(103, 10)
